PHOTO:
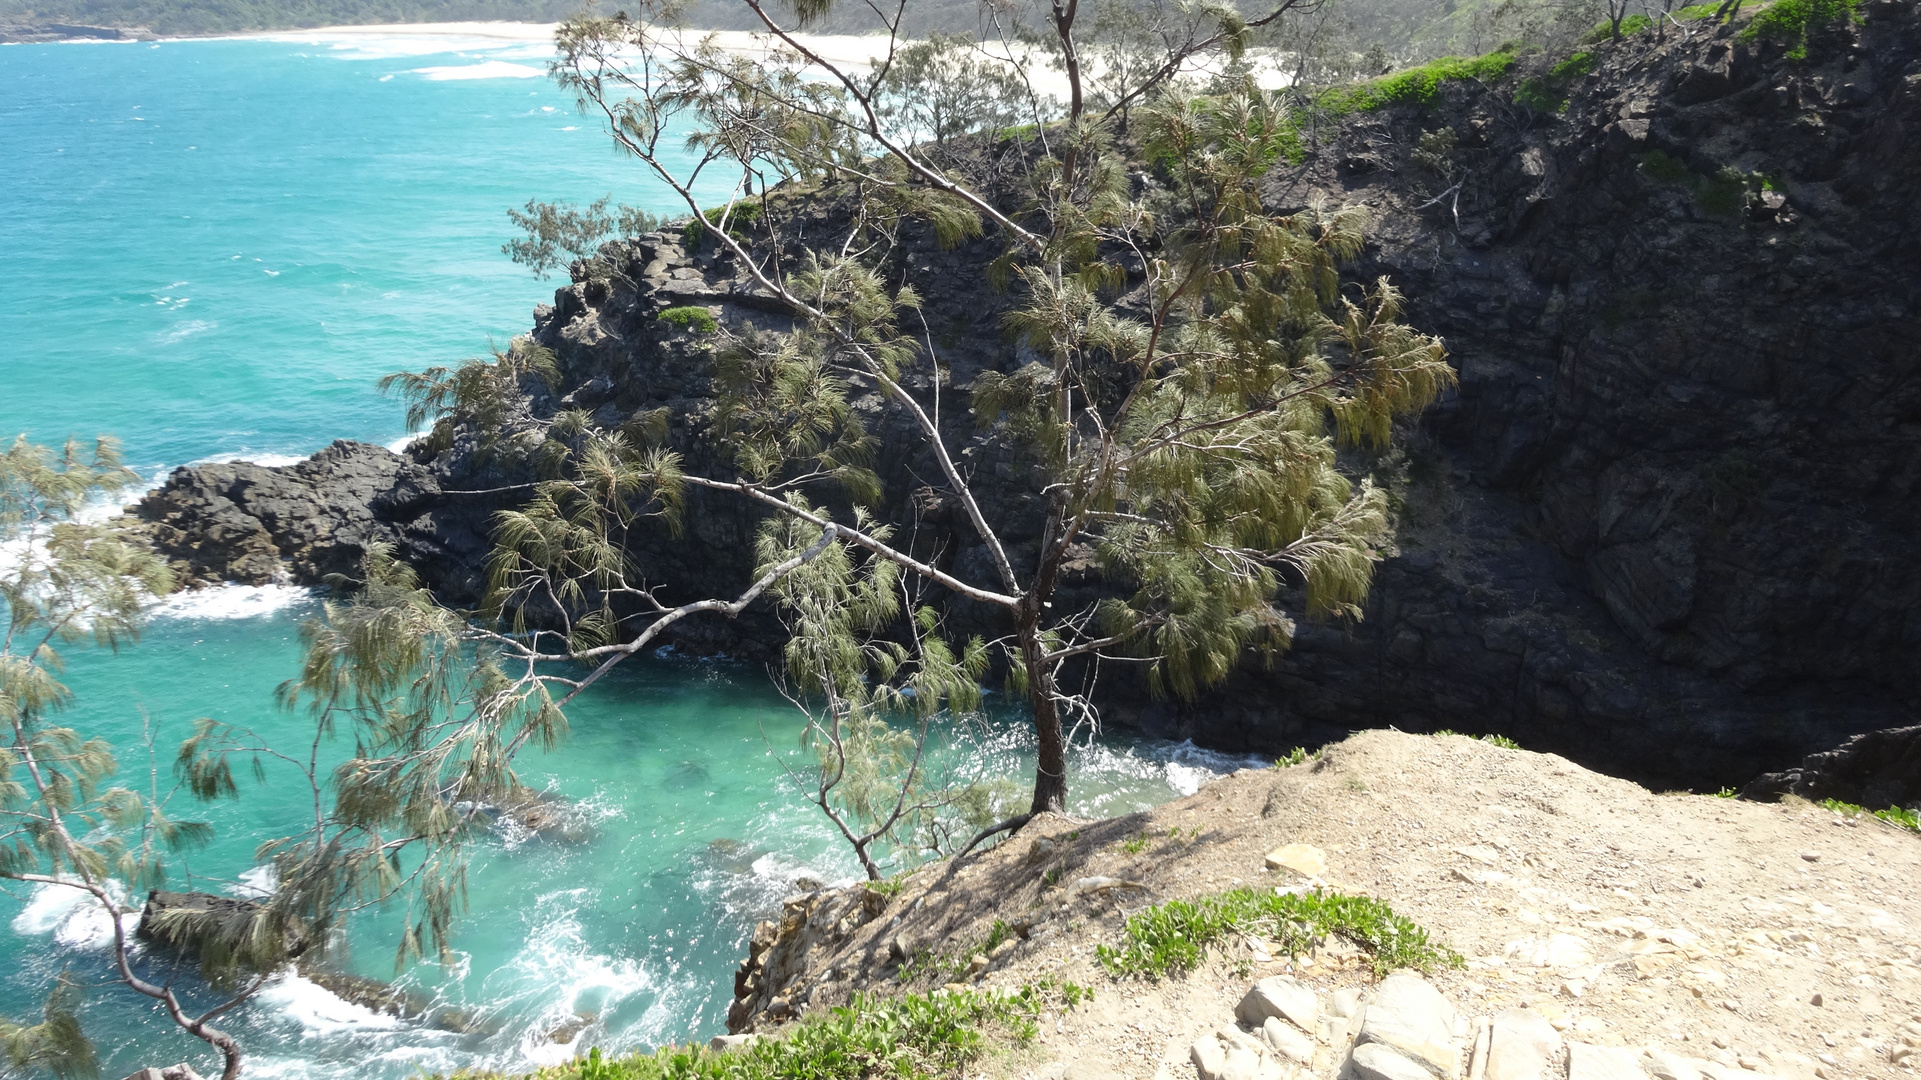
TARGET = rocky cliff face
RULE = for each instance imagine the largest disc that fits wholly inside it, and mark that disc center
(1663, 527)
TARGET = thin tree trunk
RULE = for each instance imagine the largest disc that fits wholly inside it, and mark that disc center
(1050, 769)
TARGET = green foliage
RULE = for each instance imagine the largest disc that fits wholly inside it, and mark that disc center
(1896, 815)
(910, 1037)
(943, 89)
(1549, 93)
(697, 319)
(1501, 741)
(1291, 758)
(1170, 938)
(484, 396)
(1417, 85)
(1604, 31)
(555, 231)
(1724, 193)
(1727, 793)
(56, 1044)
(435, 720)
(740, 216)
(1792, 22)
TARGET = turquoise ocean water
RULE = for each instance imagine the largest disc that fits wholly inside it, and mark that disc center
(213, 249)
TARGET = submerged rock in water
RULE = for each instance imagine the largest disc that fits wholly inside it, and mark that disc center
(188, 921)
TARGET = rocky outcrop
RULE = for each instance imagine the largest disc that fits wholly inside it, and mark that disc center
(1663, 527)
(1876, 770)
(303, 523)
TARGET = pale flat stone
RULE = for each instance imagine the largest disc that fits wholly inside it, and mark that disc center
(1304, 859)
(1408, 1014)
(1346, 1002)
(1665, 1066)
(1231, 1054)
(1373, 1061)
(1521, 1045)
(1283, 996)
(1589, 1062)
(721, 1044)
(1283, 1037)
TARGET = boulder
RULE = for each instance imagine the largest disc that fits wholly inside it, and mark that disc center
(1412, 1017)
(1521, 1045)
(1283, 996)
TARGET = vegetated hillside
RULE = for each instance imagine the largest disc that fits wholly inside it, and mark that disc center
(1662, 528)
(23, 19)
(34, 19)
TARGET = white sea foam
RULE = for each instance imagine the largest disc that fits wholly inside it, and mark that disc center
(400, 445)
(491, 69)
(319, 1011)
(256, 884)
(186, 330)
(72, 916)
(558, 974)
(233, 602)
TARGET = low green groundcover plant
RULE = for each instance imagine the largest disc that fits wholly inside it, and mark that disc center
(871, 1038)
(697, 319)
(1417, 85)
(1170, 938)
(1791, 21)
(1901, 816)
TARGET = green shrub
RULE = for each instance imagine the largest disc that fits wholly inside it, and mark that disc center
(1501, 741)
(1723, 193)
(744, 216)
(697, 319)
(1604, 31)
(1170, 938)
(1291, 758)
(1416, 86)
(912, 1036)
(1549, 93)
(1791, 21)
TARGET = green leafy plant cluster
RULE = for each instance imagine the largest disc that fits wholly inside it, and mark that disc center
(871, 1038)
(1291, 758)
(1897, 815)
(1417, 85)
(743, 217)
(1792, 21)
(697, 319)
(1723, 193)
(1171, 938)
(1549, 93)
(1501, 741)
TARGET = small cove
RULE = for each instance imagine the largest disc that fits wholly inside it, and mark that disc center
(216, 248)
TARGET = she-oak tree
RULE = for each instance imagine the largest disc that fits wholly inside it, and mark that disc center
(1199, 361)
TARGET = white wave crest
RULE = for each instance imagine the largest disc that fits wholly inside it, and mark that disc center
(233, 602)
(491, 69)
(72, 916)
(319, 1011)
(400, 445)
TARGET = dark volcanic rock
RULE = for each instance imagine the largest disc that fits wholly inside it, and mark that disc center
(256, 524)
(1876, 770)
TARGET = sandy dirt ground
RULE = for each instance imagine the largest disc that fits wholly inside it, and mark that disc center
(1780, 939)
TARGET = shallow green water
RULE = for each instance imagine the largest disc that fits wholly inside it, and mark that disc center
(214, 248)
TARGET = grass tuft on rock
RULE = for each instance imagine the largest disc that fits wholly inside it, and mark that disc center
(870, 1038)
(1171, 938)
